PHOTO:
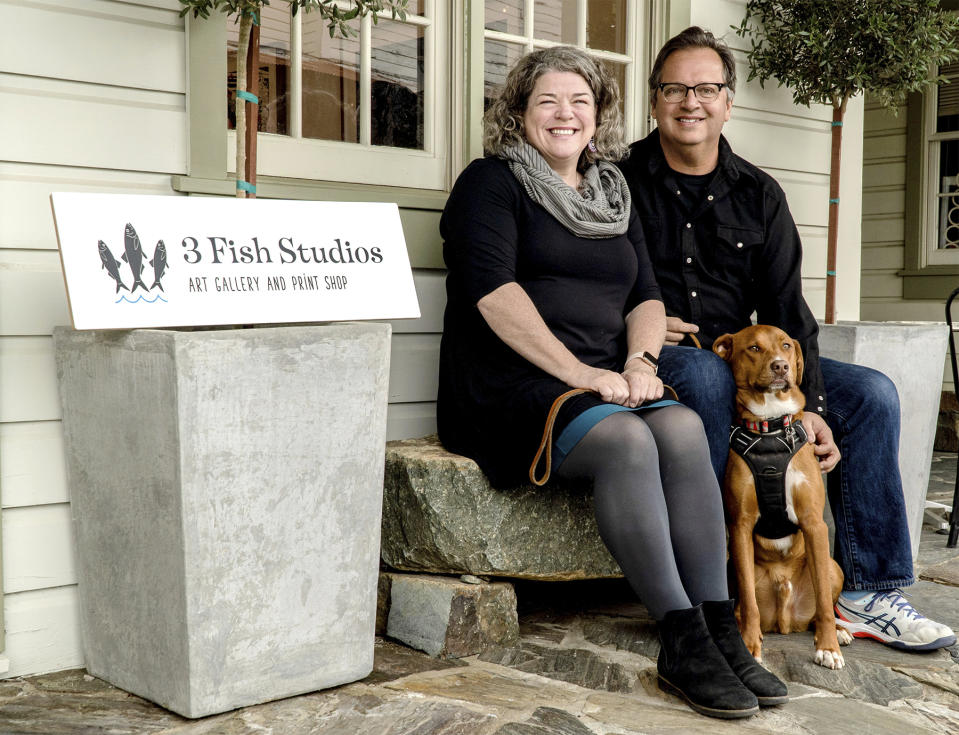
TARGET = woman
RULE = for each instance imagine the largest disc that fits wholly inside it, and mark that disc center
(550, 288)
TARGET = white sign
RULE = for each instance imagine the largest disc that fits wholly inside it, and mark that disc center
(165, 261)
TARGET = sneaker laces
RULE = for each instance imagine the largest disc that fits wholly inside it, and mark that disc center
(898, 601)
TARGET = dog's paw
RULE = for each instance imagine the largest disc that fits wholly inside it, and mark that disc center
(844, 636)
(829, 659)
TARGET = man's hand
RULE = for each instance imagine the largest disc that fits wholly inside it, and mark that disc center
(677, 329)
(820, 436)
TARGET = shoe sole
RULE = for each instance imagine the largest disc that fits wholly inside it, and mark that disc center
(861, 630)
(723, 714)
(772, 701)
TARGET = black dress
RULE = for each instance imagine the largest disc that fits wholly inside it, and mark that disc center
(492, 402)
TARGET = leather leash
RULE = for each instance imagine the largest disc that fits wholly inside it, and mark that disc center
(546, 443)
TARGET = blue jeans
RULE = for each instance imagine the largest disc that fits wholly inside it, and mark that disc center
(872, 544)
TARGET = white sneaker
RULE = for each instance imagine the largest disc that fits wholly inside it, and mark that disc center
(889, 618)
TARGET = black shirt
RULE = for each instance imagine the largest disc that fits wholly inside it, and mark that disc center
(492, 402)
(723, 255)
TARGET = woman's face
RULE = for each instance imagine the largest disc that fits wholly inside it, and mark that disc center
(560, 118)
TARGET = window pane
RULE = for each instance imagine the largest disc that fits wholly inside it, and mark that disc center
(505, 16)
(948, 195)
(555, 20)
(619, 73)
(397, 110)
(947, 111)
(606, 25)
(500, 58)
(331, 82)
(274, 71)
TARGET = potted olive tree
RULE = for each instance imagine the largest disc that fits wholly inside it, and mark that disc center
(827, 52)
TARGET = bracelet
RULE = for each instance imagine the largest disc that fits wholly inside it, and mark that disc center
(646, 357)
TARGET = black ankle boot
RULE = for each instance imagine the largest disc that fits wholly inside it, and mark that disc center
(721, 621)
(691, 666)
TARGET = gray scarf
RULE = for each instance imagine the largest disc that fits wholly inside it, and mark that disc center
(601, 207)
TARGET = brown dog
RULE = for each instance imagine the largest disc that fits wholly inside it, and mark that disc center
(786, 577)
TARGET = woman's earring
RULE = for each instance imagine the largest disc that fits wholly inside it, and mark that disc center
(591, 145)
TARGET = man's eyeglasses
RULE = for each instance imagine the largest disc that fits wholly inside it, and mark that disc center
(674, 92)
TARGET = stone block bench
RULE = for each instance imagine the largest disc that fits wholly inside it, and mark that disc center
(440, 515)
(443, 522)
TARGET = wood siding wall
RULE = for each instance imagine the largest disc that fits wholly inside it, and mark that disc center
(883, 226)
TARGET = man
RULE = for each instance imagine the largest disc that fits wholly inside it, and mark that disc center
(725, 246)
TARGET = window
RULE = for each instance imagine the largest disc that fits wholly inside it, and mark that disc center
(931, 256)
(361, 109)
(607, 28)
(942, 134)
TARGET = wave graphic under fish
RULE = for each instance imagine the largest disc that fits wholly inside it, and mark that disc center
(141, 297)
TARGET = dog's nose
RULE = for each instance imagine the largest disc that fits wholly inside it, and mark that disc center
(780, 368)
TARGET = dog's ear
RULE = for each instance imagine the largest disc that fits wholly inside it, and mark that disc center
(724, 347)
(800, 363)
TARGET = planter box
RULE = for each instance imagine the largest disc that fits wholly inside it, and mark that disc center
(226, 489)
(912, 355)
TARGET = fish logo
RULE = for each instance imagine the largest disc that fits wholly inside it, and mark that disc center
(159, 264)
(111, 265)
(133, 256)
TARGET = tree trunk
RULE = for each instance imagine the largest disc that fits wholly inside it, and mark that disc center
(832, 246)
(243, 48)
(252, 108)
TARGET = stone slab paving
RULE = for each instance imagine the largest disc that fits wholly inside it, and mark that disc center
(584, 665)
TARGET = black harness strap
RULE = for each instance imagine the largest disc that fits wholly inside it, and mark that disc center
(767, 453)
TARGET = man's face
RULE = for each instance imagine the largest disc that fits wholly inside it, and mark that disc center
(691, 128)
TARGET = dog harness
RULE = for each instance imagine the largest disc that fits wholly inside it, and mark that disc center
(767, 447)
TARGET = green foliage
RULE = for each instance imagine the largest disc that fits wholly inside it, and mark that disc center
(337, 18)
(827, 51)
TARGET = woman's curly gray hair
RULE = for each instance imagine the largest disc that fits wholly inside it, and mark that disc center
(503, 121)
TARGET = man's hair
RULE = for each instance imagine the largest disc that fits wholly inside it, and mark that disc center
(694, 37)
(503, 122)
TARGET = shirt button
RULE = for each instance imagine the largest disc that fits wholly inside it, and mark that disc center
(678, 192)
(693, 294)
(689, 260)
(821, 398)
(739, 244)
(819, 409)
(688, 226)
(710, 197)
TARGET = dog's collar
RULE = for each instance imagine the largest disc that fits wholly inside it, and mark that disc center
(769, 426)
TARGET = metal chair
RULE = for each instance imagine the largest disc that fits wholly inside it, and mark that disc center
(954, 517)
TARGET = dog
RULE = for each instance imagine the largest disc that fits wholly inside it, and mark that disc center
(780, 549)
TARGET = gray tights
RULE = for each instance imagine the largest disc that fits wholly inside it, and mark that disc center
(657, 504)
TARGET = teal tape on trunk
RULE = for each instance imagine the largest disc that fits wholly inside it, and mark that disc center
(245, 186)
(244, 95)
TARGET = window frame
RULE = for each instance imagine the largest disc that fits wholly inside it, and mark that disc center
(928, 273)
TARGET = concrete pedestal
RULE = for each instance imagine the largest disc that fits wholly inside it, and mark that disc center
(226, 488)
(912, 355)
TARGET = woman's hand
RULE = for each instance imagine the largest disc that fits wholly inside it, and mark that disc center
(612, 387)
(643, 384)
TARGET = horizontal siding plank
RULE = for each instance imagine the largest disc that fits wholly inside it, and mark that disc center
(814, 251)
(892, 145)
(414, 368)
(883, 122)
(883, 229)
(886, 310)
(42, 631)
(814, 291)
(37, 548)
(759, 137)
(97, 41)
(431, 293)
(32, 464)
(807, 195)
(887, 257)
(410, 420)
(77, 124)
(25, 215)
(883, 174)
(32, 296)
(884, 202)
(882, 284)
(28, 391)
